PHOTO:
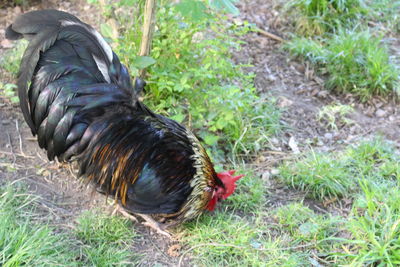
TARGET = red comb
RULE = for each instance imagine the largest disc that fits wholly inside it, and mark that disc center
(229, 181)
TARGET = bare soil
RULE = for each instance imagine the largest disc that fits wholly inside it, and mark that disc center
(295, 85)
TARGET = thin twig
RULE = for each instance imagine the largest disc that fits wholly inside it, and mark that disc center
(148, 30)
(11, 148)
(20, 138)
(270, 35)
(16, 154)
(147, 36)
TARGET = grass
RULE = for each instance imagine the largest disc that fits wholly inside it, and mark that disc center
(375, 225)
(372, 227)
(338, 174)
(332, 35)
(322, 176)
(230, 240)
(26, 239)
(354, 62)
(250, 193)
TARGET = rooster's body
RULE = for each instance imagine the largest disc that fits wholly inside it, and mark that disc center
(76, 97)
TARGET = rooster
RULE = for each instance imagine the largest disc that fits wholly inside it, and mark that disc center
(76, 96)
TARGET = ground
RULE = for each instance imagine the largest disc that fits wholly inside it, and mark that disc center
(298, 90)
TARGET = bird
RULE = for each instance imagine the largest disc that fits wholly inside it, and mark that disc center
(78, 98)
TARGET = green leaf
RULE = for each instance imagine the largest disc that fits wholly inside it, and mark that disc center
(226, 5)
(142, 62)
(192, 9)
(106, 30)
(211, 139)
(134, 71)
(178, 117)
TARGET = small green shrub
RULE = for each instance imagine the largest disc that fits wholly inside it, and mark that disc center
(315, 17)
(9, 91)
(355, 62)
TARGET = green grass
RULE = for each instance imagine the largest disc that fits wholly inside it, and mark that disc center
(336, 37)
(369, 174)
(304, 226)
(337, 174)
(354, 62)
(106, 239)
(375, 225)
(250, 193)
(229, 240)
(26, 239)
(321, 176)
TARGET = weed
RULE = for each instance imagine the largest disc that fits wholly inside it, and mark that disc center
(334, 115)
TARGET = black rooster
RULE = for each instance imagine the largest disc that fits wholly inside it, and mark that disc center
(76, 96)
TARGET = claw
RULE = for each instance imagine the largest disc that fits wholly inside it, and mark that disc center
(149, 222)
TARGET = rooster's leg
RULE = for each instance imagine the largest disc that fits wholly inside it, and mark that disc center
(154, 225)
(121, 210)
(149, 222)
